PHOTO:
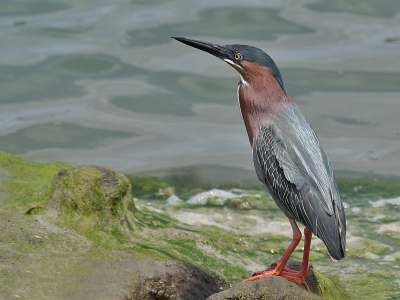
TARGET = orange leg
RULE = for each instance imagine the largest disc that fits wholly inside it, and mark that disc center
(280, 268)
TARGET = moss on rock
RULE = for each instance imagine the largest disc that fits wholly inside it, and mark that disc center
(274, 288)
(331, 288)
(96, 201)
(91, 191)
(73, 227)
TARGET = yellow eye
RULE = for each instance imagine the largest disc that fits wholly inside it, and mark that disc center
(238, 56)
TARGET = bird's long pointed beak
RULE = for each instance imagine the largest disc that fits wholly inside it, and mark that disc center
(214, 49)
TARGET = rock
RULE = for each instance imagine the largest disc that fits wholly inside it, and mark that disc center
(40, 260)
(174, 201)
(275, 287)
(271, 288)
(72, 232)
(241, 205)
(173, 282)
(212, 197)
(311, 279)
(93, 195)
(86, 189)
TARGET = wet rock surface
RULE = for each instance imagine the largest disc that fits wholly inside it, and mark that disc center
(175, 282)
(40, 260)
(272, 288)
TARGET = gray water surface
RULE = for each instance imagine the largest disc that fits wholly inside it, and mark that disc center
(99, 82)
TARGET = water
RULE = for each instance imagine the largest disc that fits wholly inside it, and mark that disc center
(100, 82)
(94, 82)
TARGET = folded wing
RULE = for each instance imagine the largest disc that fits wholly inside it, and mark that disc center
(290, 161)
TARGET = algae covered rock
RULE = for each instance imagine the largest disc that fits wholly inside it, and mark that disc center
(272, 288)
(94, 196)
(275, 287)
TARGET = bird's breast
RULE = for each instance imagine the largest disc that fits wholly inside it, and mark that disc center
(256, 106)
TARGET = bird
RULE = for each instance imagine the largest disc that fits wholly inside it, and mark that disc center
(287, 155)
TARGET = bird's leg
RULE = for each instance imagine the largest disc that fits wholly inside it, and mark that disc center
(307, 246)
(282, 263)
(280, 268)
(300, 276)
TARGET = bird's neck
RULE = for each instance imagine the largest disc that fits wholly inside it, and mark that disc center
(260, 95)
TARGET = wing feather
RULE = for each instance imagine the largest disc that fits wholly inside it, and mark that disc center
(290, 161)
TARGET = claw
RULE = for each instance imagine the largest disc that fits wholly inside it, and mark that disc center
(281, 269)
(295, 276)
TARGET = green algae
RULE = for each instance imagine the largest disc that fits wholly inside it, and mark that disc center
(77, 200)
(373, 288)
(147, 187)
(331, 287)
(145, 227)
(26, 183)
(372, 188)
(366, 246)
(92, 192)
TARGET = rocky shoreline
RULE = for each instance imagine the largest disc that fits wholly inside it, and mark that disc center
(74, 232)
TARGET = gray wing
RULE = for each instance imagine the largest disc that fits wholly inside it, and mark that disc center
(290, 161)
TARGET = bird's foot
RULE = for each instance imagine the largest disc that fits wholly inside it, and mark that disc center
(298, 277)
(260, 275)
(287, 270)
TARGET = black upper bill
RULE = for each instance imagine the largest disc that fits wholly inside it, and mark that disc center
(214, 49)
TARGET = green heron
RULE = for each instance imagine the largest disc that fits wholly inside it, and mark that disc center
(287, 154)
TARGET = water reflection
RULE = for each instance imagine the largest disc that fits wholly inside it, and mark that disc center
(86, 65)
(55, 78)
(384, 8)
(64, 135)
(301, 82)
(349, 121)
(163, 104)
(252, 22)
(16, 8)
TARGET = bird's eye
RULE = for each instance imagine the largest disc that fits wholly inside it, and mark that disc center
(238, 56)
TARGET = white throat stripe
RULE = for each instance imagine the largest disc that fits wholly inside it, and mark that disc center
(229, 61)
(244, 82)
(232, 63)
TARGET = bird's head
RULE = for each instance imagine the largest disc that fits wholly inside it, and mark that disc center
(251, 62)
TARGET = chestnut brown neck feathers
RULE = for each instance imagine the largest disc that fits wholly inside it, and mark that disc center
(260, 94)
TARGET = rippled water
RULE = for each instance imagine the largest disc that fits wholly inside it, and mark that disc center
(100, 82)
(103, 83)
